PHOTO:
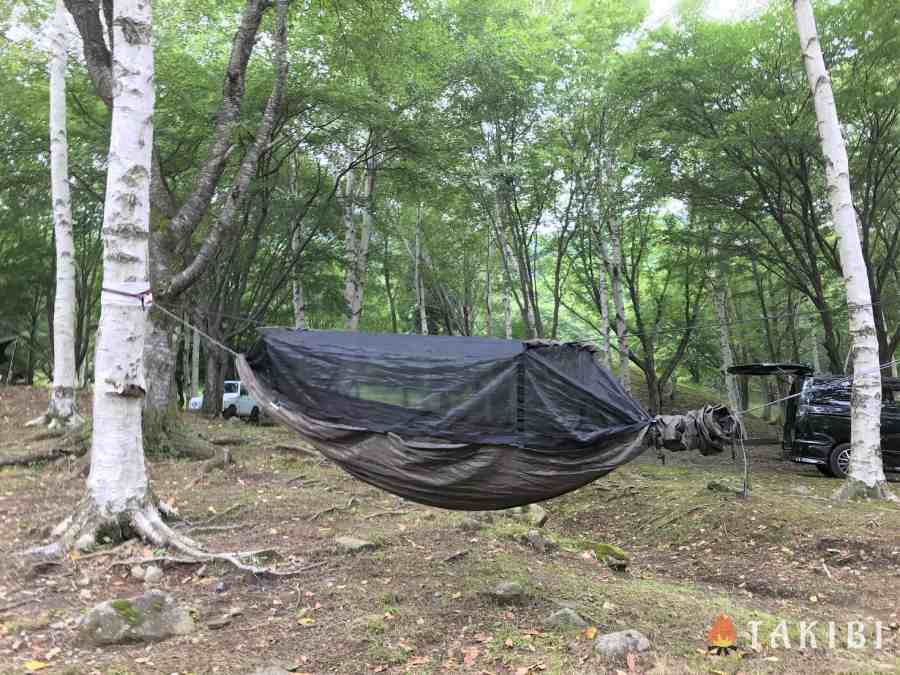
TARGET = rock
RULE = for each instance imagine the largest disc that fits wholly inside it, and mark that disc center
(220, 622)
(152, 575)
(539, 542)
(469, 524)
(220, 587)
(150, 617)
(615, 564)
(566, 619)
(85, 594)
(269, 670)
(84, 582)
(536, 515)
(235, 420)
(621, 643)
(137, 572)
(507, 592)
(354, 545)
(85, 543)
(724, 486)
(801, 490)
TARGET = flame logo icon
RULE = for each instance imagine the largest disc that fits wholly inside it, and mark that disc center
(722, 634)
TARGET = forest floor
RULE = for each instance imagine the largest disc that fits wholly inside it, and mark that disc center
(417, 602)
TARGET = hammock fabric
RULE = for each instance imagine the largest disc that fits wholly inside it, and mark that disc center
(456, 422)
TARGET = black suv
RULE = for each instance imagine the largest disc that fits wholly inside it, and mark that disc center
(817, 422)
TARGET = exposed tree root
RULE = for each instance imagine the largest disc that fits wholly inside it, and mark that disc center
(294, 449)
(857, 489)
(54, 445)
(88, 526)
(179, 440)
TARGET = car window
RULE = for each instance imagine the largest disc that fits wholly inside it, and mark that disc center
(244, 391)
(231, 387)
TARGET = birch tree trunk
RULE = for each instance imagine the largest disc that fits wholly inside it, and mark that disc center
(488, 300)
(117, 485)
(62, 411)
(814, 343)
(417, 273)
(865, 477)
(720, 299)
(507, 313)
(195, 363)
(618, 291)
(297, 281)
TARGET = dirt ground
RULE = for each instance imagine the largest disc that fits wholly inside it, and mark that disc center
(417, 602)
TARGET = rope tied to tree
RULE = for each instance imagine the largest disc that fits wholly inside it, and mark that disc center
(190, 326)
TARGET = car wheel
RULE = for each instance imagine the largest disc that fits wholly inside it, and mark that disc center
(825, 470)
(254, 415)
(839, 460)
(229, 412)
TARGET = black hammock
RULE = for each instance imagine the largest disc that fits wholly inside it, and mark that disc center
(456, 422)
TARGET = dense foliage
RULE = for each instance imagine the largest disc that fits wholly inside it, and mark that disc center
(502, 168)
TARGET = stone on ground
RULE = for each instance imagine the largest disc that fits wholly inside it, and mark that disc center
(354, 545)
(152, 575)
(565, 618)
(621, 643)
(507, 592)
(536, 515)
(149, 617)
(539, 542)
(469, 524)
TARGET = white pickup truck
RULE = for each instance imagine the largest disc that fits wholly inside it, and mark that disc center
(236, 401)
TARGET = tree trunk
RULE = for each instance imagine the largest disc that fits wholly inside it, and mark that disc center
(388, 285)
(603, 301)
(195, 363)
(488, 308)
(417, 273)
(117, 485)
(62, 410)
(507, 313)
(618, 291)
(727, 355)
(866, 474)
(297, 281)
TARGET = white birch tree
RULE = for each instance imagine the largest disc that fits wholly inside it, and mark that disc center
(62, 410)
(119, 500)
(865, 477)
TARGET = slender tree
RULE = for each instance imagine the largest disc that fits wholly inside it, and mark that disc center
(865, 477)
(62, 411)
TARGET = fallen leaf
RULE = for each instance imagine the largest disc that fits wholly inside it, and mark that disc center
(508, 643)
(306, 621)
(418, 661)
(53, 652)
(631, 660)
(590, 632)
(34, 665)
(470, 655)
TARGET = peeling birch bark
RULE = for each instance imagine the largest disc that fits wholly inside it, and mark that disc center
(865, 477)
(62, 410)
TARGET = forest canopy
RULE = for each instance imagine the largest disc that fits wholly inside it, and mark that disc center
(567, 170)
